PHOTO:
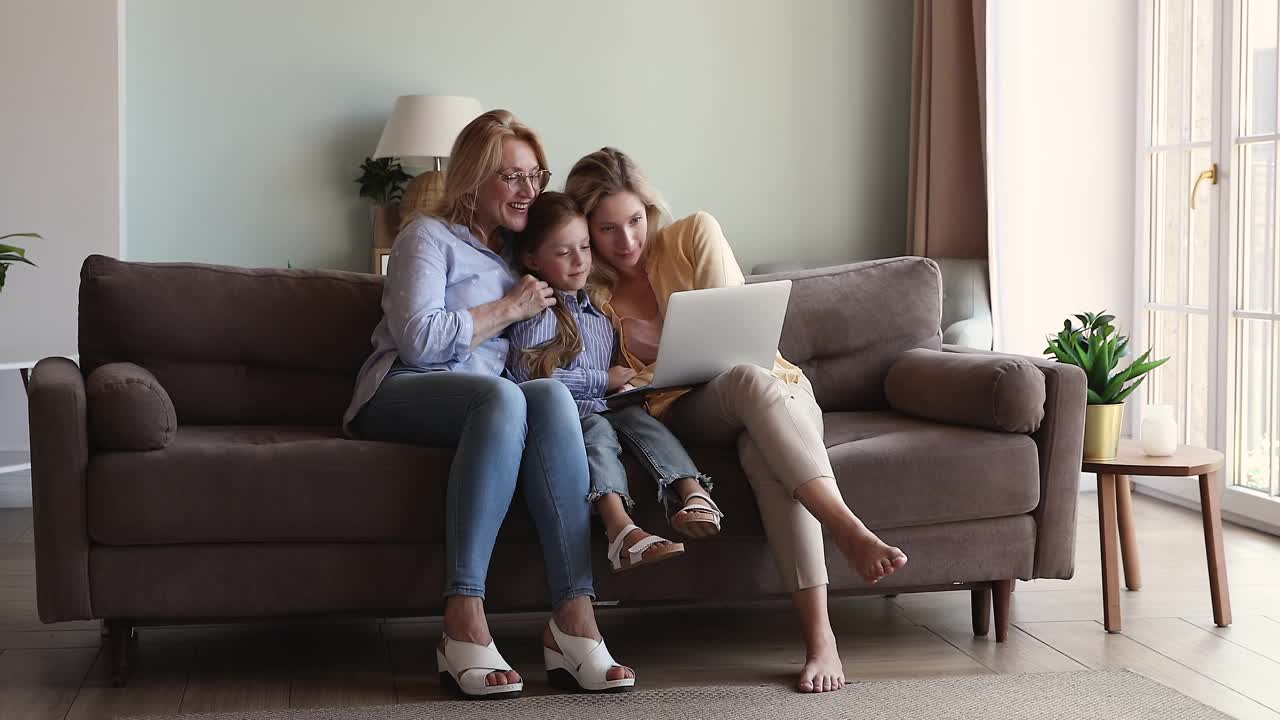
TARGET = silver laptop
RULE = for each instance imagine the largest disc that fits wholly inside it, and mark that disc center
(707, 332)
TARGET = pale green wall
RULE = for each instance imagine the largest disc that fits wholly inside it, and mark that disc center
(246, 120)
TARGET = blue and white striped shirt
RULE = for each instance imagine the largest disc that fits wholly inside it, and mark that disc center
(587, 375)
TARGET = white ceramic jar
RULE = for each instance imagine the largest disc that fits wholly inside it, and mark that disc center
(1159, 433)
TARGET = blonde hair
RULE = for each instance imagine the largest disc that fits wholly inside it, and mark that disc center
(548, 213)
(476, 156)
(606, 172)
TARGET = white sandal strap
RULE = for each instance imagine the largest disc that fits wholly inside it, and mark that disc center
(589, 659)
(710, 507)
(637, 551)
(615, 547)
(465, 658)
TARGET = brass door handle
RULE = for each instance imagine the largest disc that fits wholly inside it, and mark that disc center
(1211, 175)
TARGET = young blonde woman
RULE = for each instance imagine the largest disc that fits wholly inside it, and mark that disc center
(435, 378)
(771, 415)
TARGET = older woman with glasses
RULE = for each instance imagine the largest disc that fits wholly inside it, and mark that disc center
(435, 378)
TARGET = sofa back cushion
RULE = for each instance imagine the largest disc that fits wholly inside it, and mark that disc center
(847, 324)
(232, 345)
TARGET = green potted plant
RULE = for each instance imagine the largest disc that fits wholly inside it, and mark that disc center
(1096, 347)
(382, 181)
(10, 254)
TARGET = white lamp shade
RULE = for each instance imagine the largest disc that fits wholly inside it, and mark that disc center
(425, 125)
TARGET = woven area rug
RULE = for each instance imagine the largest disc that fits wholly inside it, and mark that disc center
(1091, 695)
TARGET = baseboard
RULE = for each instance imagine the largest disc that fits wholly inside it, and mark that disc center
(15, 479)
(14, 461)
(15, 490)
(1227, 515)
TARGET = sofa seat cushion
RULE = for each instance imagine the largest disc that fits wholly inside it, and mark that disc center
(261, 484)
(897, 471)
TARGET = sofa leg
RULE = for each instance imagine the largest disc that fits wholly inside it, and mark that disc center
(1001, 595)
(981, 606)
(120, 638)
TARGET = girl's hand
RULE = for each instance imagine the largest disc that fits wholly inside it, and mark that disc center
(529, 297)
(619, 376)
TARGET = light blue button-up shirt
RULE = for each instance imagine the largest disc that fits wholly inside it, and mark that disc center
(436, 273)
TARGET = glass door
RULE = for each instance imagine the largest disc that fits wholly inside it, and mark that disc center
(1207, 260)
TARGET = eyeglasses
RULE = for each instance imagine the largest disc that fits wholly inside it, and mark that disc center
(537, 180)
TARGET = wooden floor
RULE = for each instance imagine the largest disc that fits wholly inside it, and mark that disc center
(59, 671)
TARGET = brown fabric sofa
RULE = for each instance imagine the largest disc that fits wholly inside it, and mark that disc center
(255, 506)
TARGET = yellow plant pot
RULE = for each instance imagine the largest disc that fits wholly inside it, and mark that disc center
(1102, 431)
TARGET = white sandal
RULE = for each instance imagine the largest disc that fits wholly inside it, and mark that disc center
(464, 667)
(690, 516)
(636, 553)
(582, 664)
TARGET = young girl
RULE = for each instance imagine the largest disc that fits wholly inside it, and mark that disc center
(574, 342)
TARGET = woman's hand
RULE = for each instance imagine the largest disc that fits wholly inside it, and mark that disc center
(619, 376)
(529, 297)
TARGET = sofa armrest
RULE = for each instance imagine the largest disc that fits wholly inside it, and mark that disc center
(1060, 443)
(59, 458)
(997, 392)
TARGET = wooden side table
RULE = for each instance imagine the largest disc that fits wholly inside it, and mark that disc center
(1115, 516)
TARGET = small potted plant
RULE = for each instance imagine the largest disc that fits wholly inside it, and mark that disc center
(382, 181)
(10, 254)
(1096, 347)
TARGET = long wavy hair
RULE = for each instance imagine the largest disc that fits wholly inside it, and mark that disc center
(606, 172)
(476, 156)
(548, 213)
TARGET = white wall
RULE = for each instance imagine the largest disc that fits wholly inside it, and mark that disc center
(1062, 142)
(59, 170)
(246, 120)
(245, 124)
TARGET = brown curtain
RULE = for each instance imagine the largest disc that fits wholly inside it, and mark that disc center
(947, 195)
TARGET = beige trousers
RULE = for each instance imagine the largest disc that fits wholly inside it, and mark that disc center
(777, 427)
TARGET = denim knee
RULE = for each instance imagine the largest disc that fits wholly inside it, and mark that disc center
(547, 398)
(499, 395)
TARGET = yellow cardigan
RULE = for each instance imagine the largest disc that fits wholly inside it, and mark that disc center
(689, 254)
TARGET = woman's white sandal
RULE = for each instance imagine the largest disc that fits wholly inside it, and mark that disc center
(635, 556)
(464, 667)
(582, 664)
(693, 516)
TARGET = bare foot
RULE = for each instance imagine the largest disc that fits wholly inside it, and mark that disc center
(822, 671)
(617, 672)
(869, 556)
(464, 621)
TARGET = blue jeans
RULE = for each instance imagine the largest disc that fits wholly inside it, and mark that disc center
(501, 431)
(649, 441)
